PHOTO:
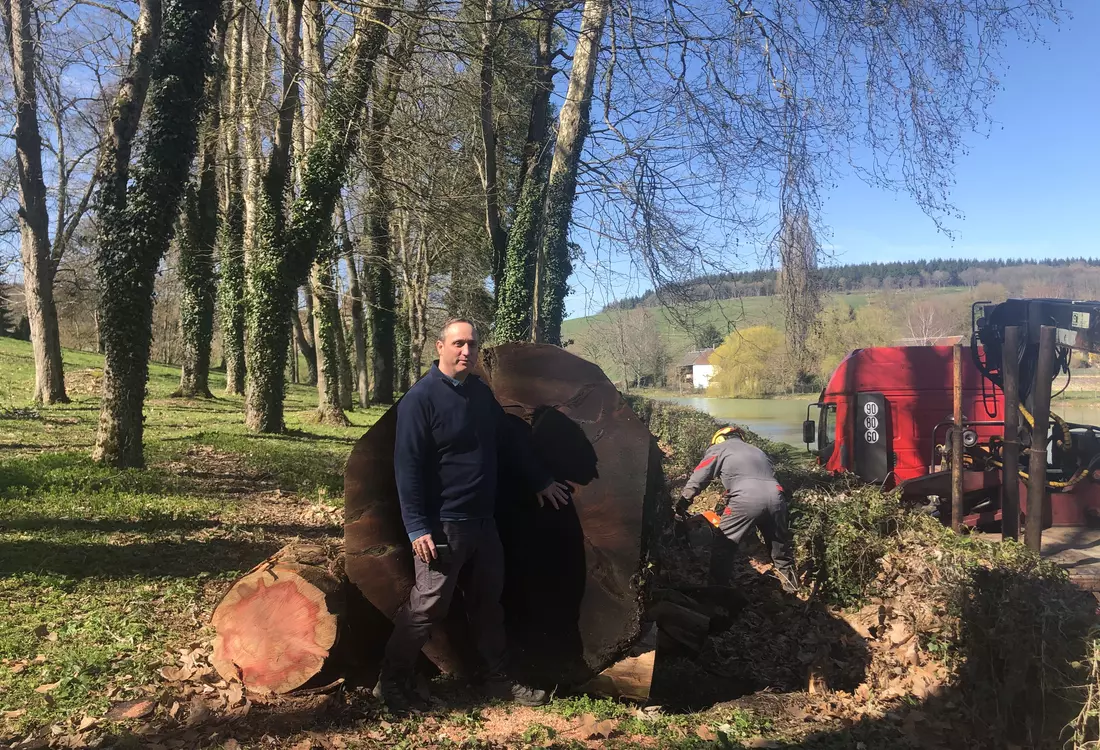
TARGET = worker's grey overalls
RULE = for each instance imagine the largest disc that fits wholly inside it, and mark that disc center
(753, 496)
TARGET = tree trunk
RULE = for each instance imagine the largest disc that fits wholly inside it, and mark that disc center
(573, 121)
(133, 238)
(515, 292)
(198, 238)
(303, 334)
(326, 318)
(278, 625)
(498, 238)
(266, 324)
(402, 342)
(284, 257)
(230, 295)
(34, 219)
(355, 293)
(382, 301)
(346, 400)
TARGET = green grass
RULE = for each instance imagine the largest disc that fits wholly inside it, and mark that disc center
(104, 572)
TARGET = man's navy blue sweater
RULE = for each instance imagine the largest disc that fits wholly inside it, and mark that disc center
(445, 456)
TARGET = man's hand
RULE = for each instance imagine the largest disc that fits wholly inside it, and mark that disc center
(556, 493)
(682, 506)
(424, 548)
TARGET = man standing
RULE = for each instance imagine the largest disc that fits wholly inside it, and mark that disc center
(753, 497)
(450, 431)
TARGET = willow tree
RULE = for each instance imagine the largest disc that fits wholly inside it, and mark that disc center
(134, 232)
(284, 254)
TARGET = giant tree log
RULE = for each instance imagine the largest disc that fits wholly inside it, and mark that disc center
(572, 599)
(277, 625)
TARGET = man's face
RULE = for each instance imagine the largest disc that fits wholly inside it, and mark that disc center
(457, 350)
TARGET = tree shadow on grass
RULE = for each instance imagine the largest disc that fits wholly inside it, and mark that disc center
(152, 559)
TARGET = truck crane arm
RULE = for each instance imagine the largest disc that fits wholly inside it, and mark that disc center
(1078, 328)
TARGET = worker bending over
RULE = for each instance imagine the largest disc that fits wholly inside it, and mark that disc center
(753, 497)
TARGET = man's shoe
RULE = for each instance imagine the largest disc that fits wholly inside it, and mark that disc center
(396, 696)
(506, 690)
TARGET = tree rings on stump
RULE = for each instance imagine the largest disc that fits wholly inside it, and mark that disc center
(277, 625)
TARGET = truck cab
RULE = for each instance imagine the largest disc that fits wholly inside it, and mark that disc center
(885, 410)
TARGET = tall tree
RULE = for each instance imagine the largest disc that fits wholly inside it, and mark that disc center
(554, 265)
(39, 258)
(198, 238)
(230, 250)
(135, 235)
(283, 258)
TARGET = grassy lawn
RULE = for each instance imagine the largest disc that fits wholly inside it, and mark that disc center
(104, 573)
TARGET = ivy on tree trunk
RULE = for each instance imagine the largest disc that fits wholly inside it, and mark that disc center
(286, 256)
(133, 236)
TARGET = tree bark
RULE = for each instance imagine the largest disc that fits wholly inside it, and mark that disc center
(266, 320)
(230, 296)
(198, 239)
(346, 399)
(133, 237)
(498, 238)
(516, 290)
(34, 220)
(355, 294)
(573, 123)
(303, 334)
(284, 257)
(326, 319)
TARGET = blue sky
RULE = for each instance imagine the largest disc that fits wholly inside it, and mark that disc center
(1028, 185)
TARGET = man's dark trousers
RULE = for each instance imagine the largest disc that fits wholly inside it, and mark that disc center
(475, 563)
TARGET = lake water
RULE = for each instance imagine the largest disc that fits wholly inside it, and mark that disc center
(781, 419)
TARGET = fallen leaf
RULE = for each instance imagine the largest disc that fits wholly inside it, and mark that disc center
(176, 674)
(231, 744)
(759, 742)
(86, 723)
(900, 632)
(174, 710)
(131, 710)
(306, 744)
(15, 714)
(47, 687)
(705, 733)
(198, 713)
(18, 667)
(590, 729)
(40, 659)
(235, 694)
(52, 637)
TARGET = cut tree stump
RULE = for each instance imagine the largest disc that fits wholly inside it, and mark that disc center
(277, 625)
(572, 594)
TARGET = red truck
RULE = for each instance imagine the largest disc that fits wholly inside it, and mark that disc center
(886, 414)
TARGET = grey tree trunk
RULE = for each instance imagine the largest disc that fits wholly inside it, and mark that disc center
(498, 238)
(198, 239)
(326, 318)
(266, 323)
(554, 266)
(286, 254)
(355, 295)
(346, 378)
(516, 291)
(34, 220)
(303, 334)
(230, 296)
(134, 237)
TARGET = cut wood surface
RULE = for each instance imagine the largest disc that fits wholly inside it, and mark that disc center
(571, 598)
(277, 625)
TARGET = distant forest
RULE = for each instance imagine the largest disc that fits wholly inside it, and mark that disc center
(1047, 277)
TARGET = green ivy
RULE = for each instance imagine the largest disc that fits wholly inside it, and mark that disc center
(231, 288)
(284, 252)
(515, 299)
(135, 234)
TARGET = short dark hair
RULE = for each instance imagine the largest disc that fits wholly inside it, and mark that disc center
(453, 321)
